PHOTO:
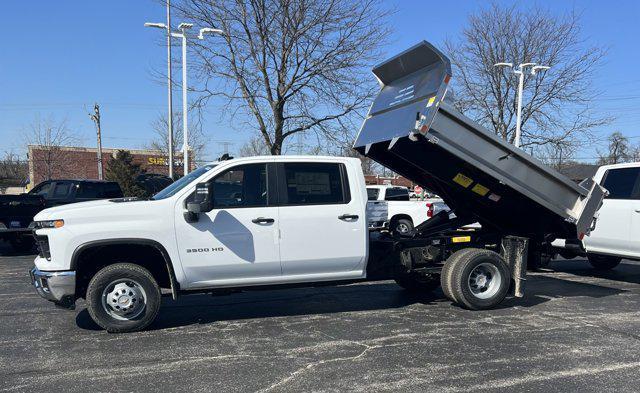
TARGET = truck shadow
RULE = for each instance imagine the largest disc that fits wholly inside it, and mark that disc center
(205, 308)
(384, 295)
(627, 271)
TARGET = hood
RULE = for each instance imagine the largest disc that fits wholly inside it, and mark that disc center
(59, 212)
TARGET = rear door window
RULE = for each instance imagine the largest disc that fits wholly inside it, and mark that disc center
(622, 183)
(315, 184)
(397, 194)
(61, 190)
(88, 191)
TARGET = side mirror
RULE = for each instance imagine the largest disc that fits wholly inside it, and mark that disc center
(202, 201)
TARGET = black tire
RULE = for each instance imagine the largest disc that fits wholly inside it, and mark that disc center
(494, 273)
(446, 273)
(129, 274)
(402, 227)
(603, 262)
(416, 284)
(22, 244)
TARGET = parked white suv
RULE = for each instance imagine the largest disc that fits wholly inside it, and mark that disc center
(398, 212)
(617, 231)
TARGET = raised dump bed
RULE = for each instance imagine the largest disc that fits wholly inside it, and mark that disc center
(413, 131)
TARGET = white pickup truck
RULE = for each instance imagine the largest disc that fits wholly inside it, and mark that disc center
(233, 224)
(399, 213)
(617, 231)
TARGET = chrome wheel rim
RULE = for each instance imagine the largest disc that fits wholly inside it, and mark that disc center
(124, 299)
(402, 228)
(484, 281)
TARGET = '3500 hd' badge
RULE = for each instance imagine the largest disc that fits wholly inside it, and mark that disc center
(189, 250)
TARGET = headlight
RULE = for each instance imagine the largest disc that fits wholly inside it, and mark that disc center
(49, 224)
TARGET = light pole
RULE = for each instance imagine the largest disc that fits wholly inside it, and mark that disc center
(520, 73)
(209, 30)
(167, 28)
(185, 133)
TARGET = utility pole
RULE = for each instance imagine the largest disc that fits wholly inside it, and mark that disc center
(96, 119)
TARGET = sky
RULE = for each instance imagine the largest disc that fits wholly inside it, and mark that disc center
(59, 57)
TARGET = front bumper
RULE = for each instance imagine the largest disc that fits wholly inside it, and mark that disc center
(58, 287)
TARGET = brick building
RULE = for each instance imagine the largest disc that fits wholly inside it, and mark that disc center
(391, 180)
(67, 162)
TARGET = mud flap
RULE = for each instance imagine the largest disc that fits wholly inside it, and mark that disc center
(515, 251)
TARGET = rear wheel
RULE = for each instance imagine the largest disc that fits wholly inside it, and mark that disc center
(123, 297)
(402, 227)
(477, 279)
(603, 262)
(417, 284)
(447, 273)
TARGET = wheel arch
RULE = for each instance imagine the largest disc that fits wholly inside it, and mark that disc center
(139, 244)
(396, 217)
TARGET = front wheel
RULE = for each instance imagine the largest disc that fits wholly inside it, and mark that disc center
(123, 297)
(603, 262)
(476, 279)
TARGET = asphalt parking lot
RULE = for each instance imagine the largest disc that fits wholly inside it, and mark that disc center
(576, 330)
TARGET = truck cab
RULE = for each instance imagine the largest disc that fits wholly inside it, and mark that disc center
(617, 231)
(270, 221)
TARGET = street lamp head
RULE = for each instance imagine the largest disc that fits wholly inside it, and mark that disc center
(156, 25)
(521, 66)
(503, 65)
(539, 68)
(209, 30)
(184, 26)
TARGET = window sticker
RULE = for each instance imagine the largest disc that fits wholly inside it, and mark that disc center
(463, 180)
(480, 189)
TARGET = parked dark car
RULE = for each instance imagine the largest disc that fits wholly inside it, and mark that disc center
(152, 183)
(17, 211)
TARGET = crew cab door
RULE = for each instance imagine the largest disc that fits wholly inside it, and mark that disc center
(618, 226)
(236, 242)
(323, 231)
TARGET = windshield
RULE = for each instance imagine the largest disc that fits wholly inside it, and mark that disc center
(182, 182)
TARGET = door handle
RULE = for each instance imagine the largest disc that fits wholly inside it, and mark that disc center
(346, 217)
(263, 220)
(637, 210)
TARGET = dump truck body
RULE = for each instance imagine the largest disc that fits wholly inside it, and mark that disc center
(413, 131)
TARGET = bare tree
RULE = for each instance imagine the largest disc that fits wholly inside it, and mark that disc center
(288, 67)
(160, 140)
(254, 147)
(13, 170)
(556, 104)
(50, 136)
(619, 150)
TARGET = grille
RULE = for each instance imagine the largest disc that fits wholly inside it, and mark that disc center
(43, 246)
